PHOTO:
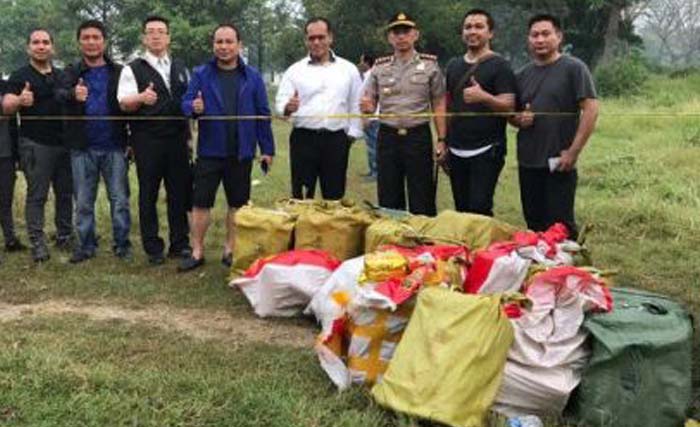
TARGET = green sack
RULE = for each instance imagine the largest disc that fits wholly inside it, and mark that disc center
(449, 364)
(639, 373)
(259, 233)
(471, 230)
(388, 231)
(333, 227)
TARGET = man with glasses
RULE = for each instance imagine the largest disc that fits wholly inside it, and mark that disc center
(407, 84)
(44, 158)
(151, 87)
(313, 88)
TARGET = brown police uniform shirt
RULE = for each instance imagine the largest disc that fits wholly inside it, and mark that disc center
(406, 88)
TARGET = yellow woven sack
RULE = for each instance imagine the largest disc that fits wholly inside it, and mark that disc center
(449, 364)
(471, 230)
(332, 227)
(389, 231)
(259, 233)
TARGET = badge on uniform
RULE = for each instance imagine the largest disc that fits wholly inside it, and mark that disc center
(420, 66)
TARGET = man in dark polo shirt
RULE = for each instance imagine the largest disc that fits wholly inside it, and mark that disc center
(549, 144)
(478, 82)
(152, 86)
(44, 158)
(225, 86)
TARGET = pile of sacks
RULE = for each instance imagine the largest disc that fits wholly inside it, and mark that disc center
(445, 318)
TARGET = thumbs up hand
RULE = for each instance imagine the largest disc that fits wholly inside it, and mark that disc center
(474, 94)
(81, 91)
(26, 97)
(526, 118)
(367, 105)
(293, 104)
(198, 103)
(149, 95)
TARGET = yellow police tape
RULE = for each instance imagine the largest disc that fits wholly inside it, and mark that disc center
(342, 116)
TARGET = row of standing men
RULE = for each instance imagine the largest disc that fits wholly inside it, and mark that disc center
(314, 93)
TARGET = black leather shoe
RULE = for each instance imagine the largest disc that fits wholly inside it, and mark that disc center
(15, 246)
(182, 253)
(156, 259)
(227, 260)
(189, 264)
(64, 243)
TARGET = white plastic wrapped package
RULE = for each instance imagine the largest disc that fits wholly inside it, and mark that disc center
(360, 327)
(532, 390)
(282, 285)
(549, 350)
(497, 269)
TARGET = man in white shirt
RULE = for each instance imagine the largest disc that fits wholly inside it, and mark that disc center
(314, 88)
(153, 86)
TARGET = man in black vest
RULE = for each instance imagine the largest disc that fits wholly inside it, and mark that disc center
(152, 86)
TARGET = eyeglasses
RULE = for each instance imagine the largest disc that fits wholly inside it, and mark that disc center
(156, 31)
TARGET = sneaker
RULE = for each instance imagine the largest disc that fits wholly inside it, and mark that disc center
(14, 245)
(80, 256)
(124, 253)
(189, 264)
(227, 260)
(156, 259)
(40, 254)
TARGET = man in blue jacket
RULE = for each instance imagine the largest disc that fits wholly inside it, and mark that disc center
(225, 86)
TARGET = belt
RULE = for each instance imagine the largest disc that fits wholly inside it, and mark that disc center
(405, 131)
(321, 131)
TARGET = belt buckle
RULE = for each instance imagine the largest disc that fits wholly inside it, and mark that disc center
(402, 132)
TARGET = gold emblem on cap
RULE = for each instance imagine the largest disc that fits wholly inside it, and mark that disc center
(401, 17)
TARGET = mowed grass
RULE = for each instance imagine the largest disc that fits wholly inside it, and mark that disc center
(638, 187)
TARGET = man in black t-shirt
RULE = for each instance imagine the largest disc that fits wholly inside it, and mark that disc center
(479, 82)
(549, 144)
(44, 156)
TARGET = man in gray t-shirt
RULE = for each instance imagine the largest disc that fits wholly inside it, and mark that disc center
(558, 112)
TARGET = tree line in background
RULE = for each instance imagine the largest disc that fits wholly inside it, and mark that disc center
(598, 31)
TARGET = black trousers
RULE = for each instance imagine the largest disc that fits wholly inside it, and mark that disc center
(318, 155)
(548, 198)
(405, 160)
(163, 159)
(47, 167)
(474, 180)
(7, 192)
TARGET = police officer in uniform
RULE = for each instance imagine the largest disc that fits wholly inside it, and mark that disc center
(153, 86)
(406, 84)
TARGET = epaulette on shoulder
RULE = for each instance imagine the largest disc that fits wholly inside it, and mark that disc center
(428, 57)
(383, 60)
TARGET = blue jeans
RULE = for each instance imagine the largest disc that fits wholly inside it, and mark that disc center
(87, 166)
(371, 132)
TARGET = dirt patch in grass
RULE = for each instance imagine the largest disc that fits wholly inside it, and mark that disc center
(199, 324)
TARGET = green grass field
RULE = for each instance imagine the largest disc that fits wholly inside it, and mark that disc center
(112, 343)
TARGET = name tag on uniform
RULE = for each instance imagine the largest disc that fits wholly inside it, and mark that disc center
(420, 66)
